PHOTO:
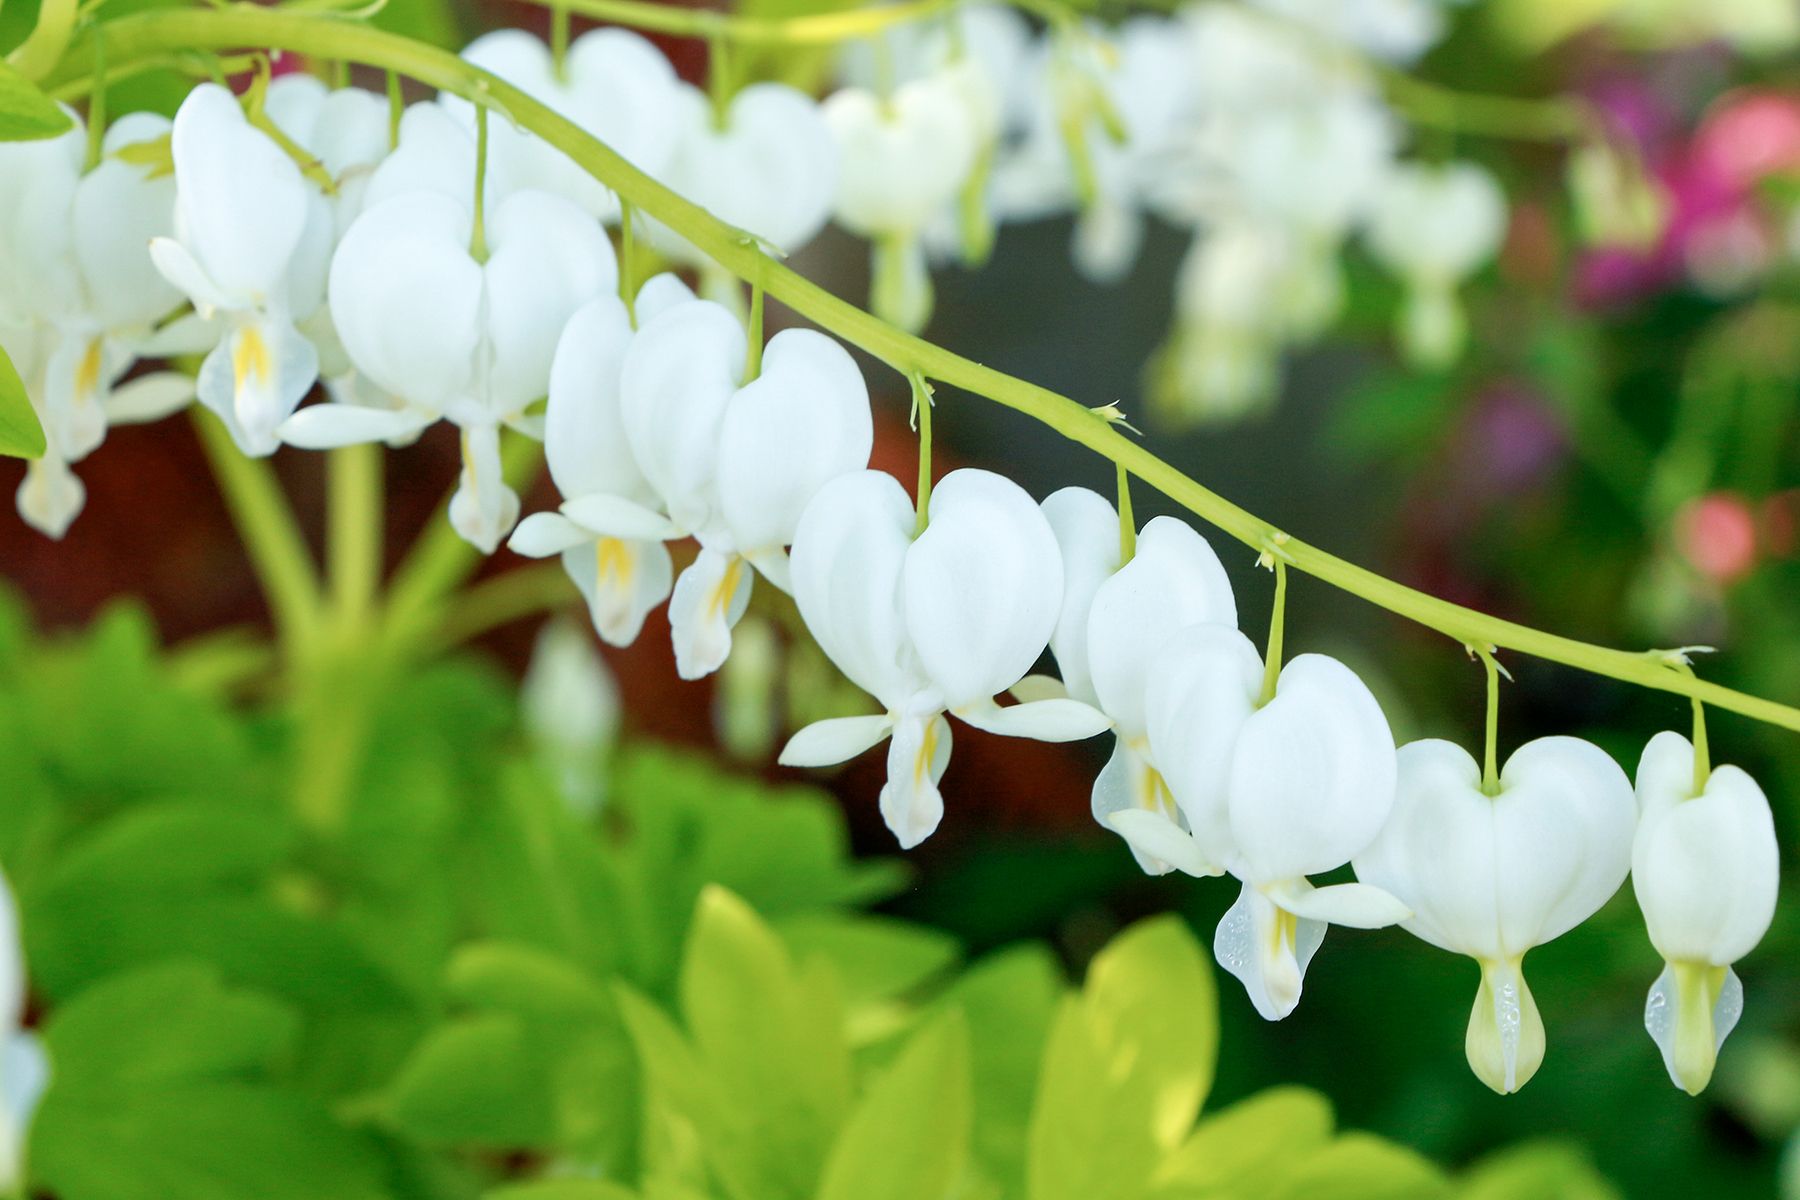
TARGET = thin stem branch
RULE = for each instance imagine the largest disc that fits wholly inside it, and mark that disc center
(922, 402)
(284, 568)
(822, 29)
(355, 522)
(506, 598)
(48, 41)
(1127, 522)
(1272, 652)
(1490, 757)
(165, 31)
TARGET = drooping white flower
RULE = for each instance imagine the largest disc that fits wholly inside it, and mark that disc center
(1116, 624)
(940, 623)
(80, 299)
(621, 577)
(1272, 791)
(614, 83)
(1231, 320)
(251, 240)
(1395, 31)
(1434, 226)
(455, 338)
(1491, 876)
(767, 167)
(1705, 869)
(24, 1067)
(734, 466)
(902, 160)
(570, 706)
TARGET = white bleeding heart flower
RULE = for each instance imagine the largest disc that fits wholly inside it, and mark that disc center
(1116, 625)
(1434, 226)
(570, 707)
(1705, 868)
(81, 297)
(455, 338)
(436, 152)
(614, 83)
(1491, 876)
(736, 466)
(903, 160)
(939, 623)
(1273, 792)
(609, 529)
(768, 168)
(24, 1067)
(250, 240)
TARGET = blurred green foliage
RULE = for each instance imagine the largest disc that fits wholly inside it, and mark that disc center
(474, 992)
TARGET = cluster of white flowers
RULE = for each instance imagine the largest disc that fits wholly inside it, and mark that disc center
(24, 1067)
(450, 267)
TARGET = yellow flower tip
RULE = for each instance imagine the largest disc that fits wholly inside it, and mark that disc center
(1505, 1039)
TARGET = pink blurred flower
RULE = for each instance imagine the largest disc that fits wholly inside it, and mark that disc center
(1716, 534)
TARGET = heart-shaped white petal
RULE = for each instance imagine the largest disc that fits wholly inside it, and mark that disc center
(982, 586)
(679, 376)
(406, 298)
(800, 424)
(1312, 775)
(902, 159)
(1205, 688)
(1705, 868)
(771, 171)
(1087, 534)
(241, 202)
(584, 433)
(1174, 581)
(849, 552)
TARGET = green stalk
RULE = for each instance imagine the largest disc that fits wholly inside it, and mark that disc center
(822, 29)
(478, 248)
(754, 352)
(922, 402)
(1702, 754)
(355, 521)
(43, 49)
(160, 32)
(1277, 631)
(1127, 522)
(266, 524)
(1490, 759)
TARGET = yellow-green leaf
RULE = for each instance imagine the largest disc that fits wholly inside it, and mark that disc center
(908, 1138)
(26, 114)
(20, 434)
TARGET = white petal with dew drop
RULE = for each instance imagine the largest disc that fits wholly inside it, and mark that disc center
(834, 740)
(1267, 951)
(709, 598)
(1505, 1038)
(1690, 1036)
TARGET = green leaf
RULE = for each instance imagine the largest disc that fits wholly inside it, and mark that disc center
(1357, 1166)
(21, 434)
(908, 1137)
(1008, 1000)
(1230, 1149)
(174, 1022)
(1536, 1171)
(209, 1141)
(562, 1189)
(161, 1086)
(773, 1036)
(878, 960)
(474, 1081)
(26, 115)
(1128, 1064)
